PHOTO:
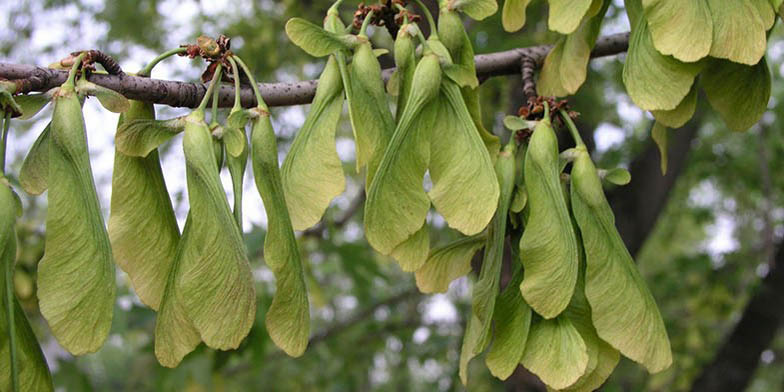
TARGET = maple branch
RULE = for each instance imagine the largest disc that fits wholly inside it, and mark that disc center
(182, 94)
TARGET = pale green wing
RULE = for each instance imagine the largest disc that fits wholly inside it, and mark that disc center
(139, 137)
(288, 318)
(142, 226)
(548, 247)
(312, 174)
(76, 278)
(513, 14)
(483, 302)
(110, 99)
(654, 81)
(31, 104)
(623, 310)
(738, 92)
(465, 190)
(447, 263)
(29, 371)
(555, 352)
(565, 15)
(512, 320)
(566, 66)
(397, 205)
(659, 136)
(682, 29)
(35, 168)
(175, 335)
(237, 165)
(411, 254)
(316, 41)
(679, 116)
(738, 31)
(214, 282)
(475, 9)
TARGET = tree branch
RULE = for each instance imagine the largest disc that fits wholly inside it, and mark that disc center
(181, 94)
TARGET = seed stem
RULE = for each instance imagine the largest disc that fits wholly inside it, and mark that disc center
(365, 24)
(429, 16)
(9, 276)
(572, 128)
(71, 82)
(163, 56)
(6, 121)
(211, 88)
(259, 99)
(236, 74)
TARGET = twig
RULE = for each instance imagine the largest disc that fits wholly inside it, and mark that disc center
(180, 94)
(527, 68)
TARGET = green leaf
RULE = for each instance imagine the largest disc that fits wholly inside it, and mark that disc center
(555, 352)
(566, 66)
(288, 318)
(76, 278)
(316, 41)
(483, 302)
(617, 176)
(214, 279)
(738, 31)
(8, 102)
(110, 99)
(140, 212)
(456, 136)
(397, 205)
(513, 14)
(475, 9)
(766, 12)
(447, 263)
(371, 119)
(31, 104)
(312, 174)
(655, 81)
(462, 75)
(739, 93)
(512, 319)
(682, 29)
(624, 312)
(659, 136)
(565, 15)
(679, 116)
(35, 168)
(175, 335)
(22, 364)
(492, 142)
(139, 137)
(548, 247)
(235, 141)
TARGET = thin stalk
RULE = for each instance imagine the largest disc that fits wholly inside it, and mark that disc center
(334, 8)
(6, 121)
(71, 82)
(429, 16)
(259, 98)
(236, 74)
(214, 111)
(365, 24)
(9, 299)
(572, 129)
(163, 56)
(211, 88)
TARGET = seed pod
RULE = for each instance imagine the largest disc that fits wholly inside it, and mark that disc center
(288, 318)
(623, 310)
(371, 118)
(396, 204)
(22, 364)
(512, 320)
(214, 279)
(447, 263)
(312, 173)
(76, 278)
(142, 227)
(405, 62)
(548, 247)
(477, 333)
(237, 164)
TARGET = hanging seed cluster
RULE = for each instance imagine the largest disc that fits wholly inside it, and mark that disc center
(575, 301)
